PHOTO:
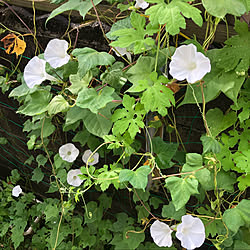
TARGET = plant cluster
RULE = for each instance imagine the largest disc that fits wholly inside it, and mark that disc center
(109, 101)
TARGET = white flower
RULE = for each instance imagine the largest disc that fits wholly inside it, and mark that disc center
(161, 234)
(121, 52)
(68, 152)
(56, 53)
(93, 160)
(191, 232)
(16, 191)
(141, 4)
(34, 72)
(73, 179)
(189, 64)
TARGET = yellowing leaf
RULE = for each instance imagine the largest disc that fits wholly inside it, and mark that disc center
(13, 44)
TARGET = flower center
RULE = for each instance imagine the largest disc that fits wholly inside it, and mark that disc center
(192, 66)
(74, 178)
(91, 159)
(69, 153)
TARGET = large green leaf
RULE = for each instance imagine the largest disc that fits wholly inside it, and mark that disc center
(238, 216)
(173, 15)
(215, 82)
(82, 6)
(58, 104)
(236, 54)
(89, 58)
(169, 211)
(181, 190)
(218, 122)
(36, 103)
(220, 8)
(138, 178)
(93, 100)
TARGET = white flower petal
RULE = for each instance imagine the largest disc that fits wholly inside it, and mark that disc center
(16, 191)
(34, 72)
(189, 64)
(161, 234)
(73, 179)
(141, 4)
(93, 160)
(191, 232)
(56, 53)
(68, 152)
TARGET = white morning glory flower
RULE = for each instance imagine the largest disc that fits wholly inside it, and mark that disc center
(16, 191)
(141, 4)
(191, 232)
(73, 179)
(161, 234)
(34, 72)
(93, 160)
(189, 64)
(121, 52)
(56, 53)
(68, 152)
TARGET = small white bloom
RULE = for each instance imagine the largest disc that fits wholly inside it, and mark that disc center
(56, 53)
(121, 52)
(34, 72)
(161, 234)
(191, 232)
(93, 160)
(68, 152)
(16, 191)
(189, 64)
(73, 179)
(141, 4)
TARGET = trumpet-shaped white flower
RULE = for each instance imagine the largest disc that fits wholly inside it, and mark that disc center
(68, 152)
(161, 234)
(93, 160)
(56, 53)
(73, 179)
(121, 52)
(34, 72)
(16, 191)
(141, 4)
(191, 232)
(189, 64)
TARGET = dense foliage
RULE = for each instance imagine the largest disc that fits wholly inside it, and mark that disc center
(115, 103)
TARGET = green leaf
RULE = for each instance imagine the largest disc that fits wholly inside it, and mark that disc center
(134, 36)
(93, 100)
(244, 182)
(169, 211)
(141, 71)
(89, 58)
(235, 55)
(3, 140)
(82, 6)
(121, 24)
(210, 145)
(242, 160)
(17, 231)
(181, 190)
(78, 83)
(36, 103)
(172, 15)
(220, 8)
(37, 175)
(138, 179)
(239, 216)
(41, 160)
(217, 122)
(158, 98)
(82, 137)
(164, 152)
(129, 118)
(51, 212)
(215, 83)
(58, 104)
